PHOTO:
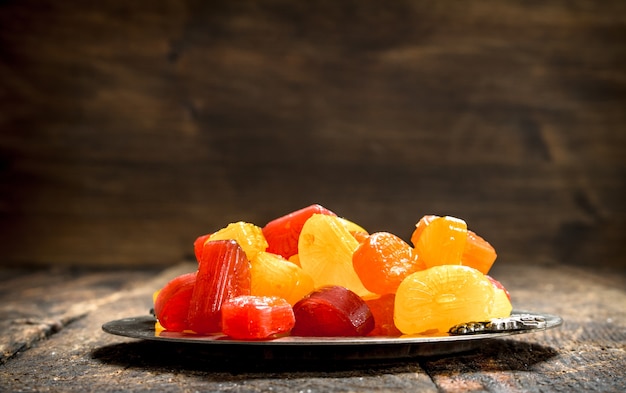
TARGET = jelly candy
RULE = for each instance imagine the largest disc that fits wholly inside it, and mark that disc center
(198, 244)
(382, 310)
(332, 311)
(171, 304)
(478, 253)
(468, 250)
(440, 297)
(383, 260)
(272, 275)
(282, 233)
(441, 241)
(223, 273)
(249, 236)
(256, 317)
(501, 306)
(325, 252)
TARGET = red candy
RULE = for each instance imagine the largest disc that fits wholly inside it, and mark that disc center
(382, 310)
(172, 303)
(332, 311)
(282, 233)
(223, 273)
(198, 245)
(256, 317)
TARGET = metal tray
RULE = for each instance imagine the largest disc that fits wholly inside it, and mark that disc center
(293, 347)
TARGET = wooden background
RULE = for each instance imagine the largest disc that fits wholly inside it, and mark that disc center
(130, 127)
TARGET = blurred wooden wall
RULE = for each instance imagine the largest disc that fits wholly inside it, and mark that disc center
(130, 127)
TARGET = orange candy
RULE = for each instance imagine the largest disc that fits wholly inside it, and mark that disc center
(447, 241)
(383, 260)
(440, 242)
(426, 288)
(478, 253)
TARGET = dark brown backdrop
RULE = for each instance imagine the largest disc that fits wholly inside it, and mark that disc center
(129, 128)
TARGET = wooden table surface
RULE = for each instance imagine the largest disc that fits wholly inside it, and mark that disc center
(52, 341)
(129, 128)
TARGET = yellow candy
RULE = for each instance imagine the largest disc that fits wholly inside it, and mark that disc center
(272, 275)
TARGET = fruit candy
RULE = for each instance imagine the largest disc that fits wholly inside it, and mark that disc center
(198, 244)
(171, 304)
(478, 253)
(382, 310)
(440, 297)
(325, 252)
(256, 317)
(383, 260)
(440, 241)
(501, 306)
(272, 275)
(249, 236)
(282, 233)
(223, 273)
(332, 311)
(421, 225)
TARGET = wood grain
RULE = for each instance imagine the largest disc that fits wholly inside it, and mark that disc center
(587, 353)
(129, 129)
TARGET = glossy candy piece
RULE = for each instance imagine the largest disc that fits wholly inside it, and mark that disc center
(256, 317)
(382, 310)
(501, 306)
(325, 249)
(171, 304)
(421, 225)
(273, 275)
(223, 273)
(282, 233)
(249, 236)
(198, 245)
(435, 299)
(440, 241)
(478, 253)
(383, 260)
(332, 311)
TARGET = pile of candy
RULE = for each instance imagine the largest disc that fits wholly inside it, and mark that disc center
(313, 273)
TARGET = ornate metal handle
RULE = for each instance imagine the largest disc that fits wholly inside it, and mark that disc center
(498, 325)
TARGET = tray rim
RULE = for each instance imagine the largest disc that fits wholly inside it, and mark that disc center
(147, 332)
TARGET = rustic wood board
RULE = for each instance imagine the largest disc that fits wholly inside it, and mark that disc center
(588, 353)
(127, 129)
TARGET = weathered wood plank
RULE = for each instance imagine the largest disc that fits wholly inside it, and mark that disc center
(37, 304)
(129, 129)
(588, 353)
(585, 354)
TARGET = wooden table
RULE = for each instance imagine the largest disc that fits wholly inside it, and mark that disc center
(129, 128)
(52, 341)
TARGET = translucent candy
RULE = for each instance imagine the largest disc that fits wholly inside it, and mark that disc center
(283, 232)
(383, 260)
(440, 240)
(256, 317)
(273, 275)
(332, 311)
(382, 310)
(440, 297)
(171, 304)
(249, 236)
(325, 252)
(223, 273)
